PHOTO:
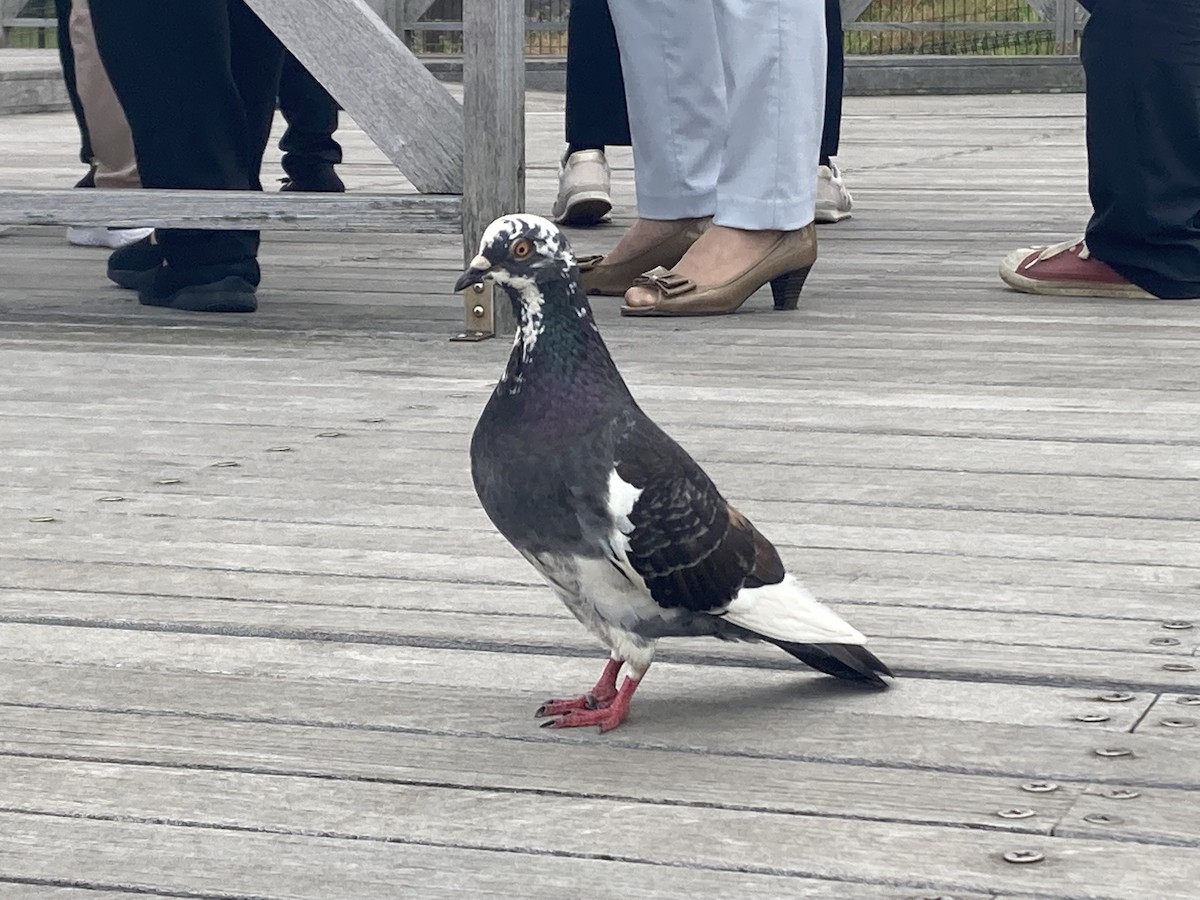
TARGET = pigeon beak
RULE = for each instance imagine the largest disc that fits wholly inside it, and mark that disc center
(477, 270)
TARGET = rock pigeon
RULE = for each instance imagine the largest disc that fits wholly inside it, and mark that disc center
(624, 525)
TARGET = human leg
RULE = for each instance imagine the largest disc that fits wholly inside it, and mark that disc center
(185, 51)
(771, 81)
(309, 149)
(833, 200)
(1142, 61)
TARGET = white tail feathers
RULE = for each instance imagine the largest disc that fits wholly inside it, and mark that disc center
(787, 612)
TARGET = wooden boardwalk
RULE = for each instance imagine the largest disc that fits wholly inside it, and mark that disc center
(257, 640)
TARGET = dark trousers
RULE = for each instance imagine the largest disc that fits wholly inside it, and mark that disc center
(312, 118)
(596, 112)
(835, 81)
(66, 57)
(1142, 62)
(198, 81)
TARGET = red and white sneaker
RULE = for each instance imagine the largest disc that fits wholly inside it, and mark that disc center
(1066, 270)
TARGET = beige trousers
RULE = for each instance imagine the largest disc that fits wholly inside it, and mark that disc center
(112, 142)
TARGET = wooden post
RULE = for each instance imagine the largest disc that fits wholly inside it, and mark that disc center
(1064, 27)
(494, 138)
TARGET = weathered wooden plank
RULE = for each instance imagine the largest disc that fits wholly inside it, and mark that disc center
(703, 689)
(918, 857)
(792, 787)
(750, 723)
(407, 112)
(242, 209)
(240, 865)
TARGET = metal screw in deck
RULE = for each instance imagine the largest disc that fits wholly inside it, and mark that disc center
(1024, 856)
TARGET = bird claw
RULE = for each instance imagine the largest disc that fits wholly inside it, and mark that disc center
(607, 718)
(588, 701)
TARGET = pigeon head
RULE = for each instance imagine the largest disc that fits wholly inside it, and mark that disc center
(518, 252)
(531, 260)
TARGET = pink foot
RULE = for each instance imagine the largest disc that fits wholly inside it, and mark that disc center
(584, 702)
(599, 697)
(607, 717)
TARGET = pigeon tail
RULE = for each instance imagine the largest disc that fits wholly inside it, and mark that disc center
(850, 662)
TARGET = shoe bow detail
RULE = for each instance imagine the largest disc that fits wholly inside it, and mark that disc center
(666, 282)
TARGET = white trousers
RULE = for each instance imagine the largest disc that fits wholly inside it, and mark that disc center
(726, 101)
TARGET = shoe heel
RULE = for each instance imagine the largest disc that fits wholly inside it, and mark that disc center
(786, 288)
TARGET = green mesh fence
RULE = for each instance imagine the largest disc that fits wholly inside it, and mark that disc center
(928, 27)
(997, 27)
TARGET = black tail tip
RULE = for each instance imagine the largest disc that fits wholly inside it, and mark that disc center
(849, 662)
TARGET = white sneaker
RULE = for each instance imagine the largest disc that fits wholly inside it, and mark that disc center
(99, 236)
(833, 200)
(584, 189)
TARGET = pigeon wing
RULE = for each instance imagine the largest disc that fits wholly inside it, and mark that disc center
(693, 550)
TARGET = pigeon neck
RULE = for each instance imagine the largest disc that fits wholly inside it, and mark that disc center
(556, 337)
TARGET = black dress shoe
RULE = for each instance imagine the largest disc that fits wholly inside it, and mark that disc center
(218, 288)
(318, 180)
(134, 265)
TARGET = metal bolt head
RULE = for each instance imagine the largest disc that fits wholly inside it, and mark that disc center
(1121, 794)
(1016, 812)
(1191, 700)
(1178, 625)
(1039, 787)
(477, 311)
(1116, 697)
(1113, 752)
(1020, 857)
(478, 287)
(1178, 667)
(1102, 819)
(1178, 723)
(1092, 717)
(1164, 642)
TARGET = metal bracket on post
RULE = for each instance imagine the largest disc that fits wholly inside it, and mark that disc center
(478, 313)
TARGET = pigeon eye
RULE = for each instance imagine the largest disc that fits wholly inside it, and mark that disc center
(522, 248)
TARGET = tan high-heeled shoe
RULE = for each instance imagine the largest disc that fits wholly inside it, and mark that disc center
(614, 279)
(786, 265)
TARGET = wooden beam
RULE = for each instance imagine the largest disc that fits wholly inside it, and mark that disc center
(394, 213)
(407, 112)
(852, 9)
(494, 115)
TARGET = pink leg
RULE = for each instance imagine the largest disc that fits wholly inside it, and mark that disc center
(598, 697)
(607, 717)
